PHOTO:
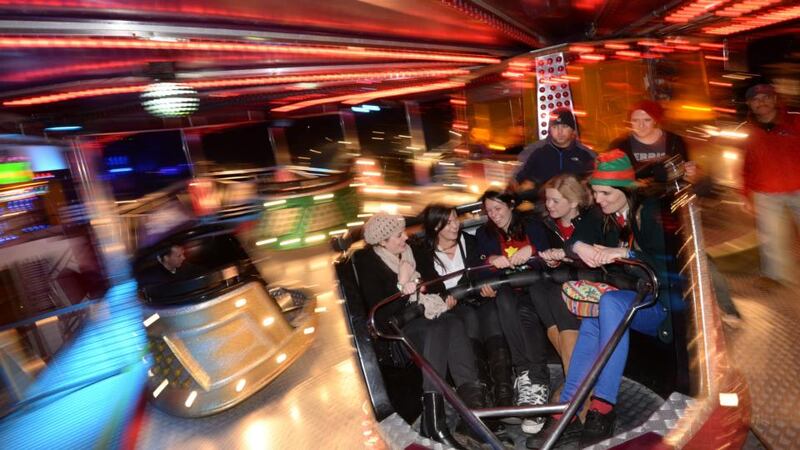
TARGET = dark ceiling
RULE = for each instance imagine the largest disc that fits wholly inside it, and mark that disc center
(233, 51)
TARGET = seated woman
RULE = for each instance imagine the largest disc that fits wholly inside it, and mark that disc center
(445, 249)
(630, 227)
(567, 201)
(509, 240)
(387, 266)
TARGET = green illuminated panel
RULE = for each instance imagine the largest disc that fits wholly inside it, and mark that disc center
(15, 172)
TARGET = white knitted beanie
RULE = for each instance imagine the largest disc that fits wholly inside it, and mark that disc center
(382, 226)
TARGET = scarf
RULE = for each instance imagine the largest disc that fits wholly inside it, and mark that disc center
(431, 303)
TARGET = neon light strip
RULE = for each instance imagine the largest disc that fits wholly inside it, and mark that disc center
(352, 99)
(209, 84)
(307, 50)
(694, 9)
(745, 7)
(752, 22)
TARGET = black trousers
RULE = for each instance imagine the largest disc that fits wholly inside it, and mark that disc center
(550, 307)
(444, 343)
(524, 333)
(481, 319)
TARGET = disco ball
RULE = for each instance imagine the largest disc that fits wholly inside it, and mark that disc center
(167, 100)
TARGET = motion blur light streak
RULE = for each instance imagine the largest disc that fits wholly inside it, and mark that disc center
(103, 370)
(744, 7)
(353, 99)
(217, 46)
(752, 22)
(694, 9)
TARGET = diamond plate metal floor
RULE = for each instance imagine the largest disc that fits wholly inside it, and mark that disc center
(764, 343)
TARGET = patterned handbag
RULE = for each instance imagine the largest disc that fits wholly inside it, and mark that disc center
(583, 297)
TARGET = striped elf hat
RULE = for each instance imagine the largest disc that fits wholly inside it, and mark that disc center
(614, 169)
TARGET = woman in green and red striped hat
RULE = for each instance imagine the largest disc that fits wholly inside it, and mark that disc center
(629, 227)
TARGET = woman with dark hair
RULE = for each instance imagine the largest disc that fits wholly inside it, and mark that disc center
(445, 249)
(630, 227)
(510, 240)
(384, 268)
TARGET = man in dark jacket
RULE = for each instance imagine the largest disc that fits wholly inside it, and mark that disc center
(560, 153)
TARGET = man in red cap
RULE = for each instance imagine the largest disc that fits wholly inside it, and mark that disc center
(771, 180)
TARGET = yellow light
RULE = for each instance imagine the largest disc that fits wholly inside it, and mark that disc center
(241, 302)
(355, 224)
(308, 330)
(150, 320)
(733, 156)
(497, 147)
(335, 232)
(320, 309)
(315, 238)
(289, 242)
(268, 321)
(281, 358)
(323, 197)
(240, 385)
(160, 388)
(733, 134)
(190, 399)
(474, 188)
(274, 203)
(357, 184)
(266, 241)
(365, 162)
(730, 399)
(377, 190)
(697, 108)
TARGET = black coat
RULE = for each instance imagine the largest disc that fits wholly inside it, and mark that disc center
(489, 241)
(650, 246)
(424, 258)
(554, 237)
(377, 281)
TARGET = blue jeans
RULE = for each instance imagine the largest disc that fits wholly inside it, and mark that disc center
(595, 332)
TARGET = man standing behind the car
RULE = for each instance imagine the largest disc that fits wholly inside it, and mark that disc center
(560, 152)
(771, 180)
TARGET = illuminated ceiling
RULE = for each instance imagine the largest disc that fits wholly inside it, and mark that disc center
(88, 60)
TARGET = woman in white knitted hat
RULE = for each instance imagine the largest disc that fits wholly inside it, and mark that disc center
(387, 266)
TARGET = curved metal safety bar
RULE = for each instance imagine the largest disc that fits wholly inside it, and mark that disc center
(642, 287)
(475, 424)
(639, 302)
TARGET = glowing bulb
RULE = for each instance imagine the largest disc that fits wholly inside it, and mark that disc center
(168, 100)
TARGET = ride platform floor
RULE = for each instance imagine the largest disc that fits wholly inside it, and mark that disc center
(764, 342)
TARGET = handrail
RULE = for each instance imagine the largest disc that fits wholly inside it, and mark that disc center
(568, 409)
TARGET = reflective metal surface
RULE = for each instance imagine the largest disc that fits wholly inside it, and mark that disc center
(319, 401)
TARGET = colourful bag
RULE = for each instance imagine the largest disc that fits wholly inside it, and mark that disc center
(583, 297)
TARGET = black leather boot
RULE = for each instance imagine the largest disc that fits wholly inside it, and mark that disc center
(482, 364)
(499, 357)
(473, 394)
(433, 423)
